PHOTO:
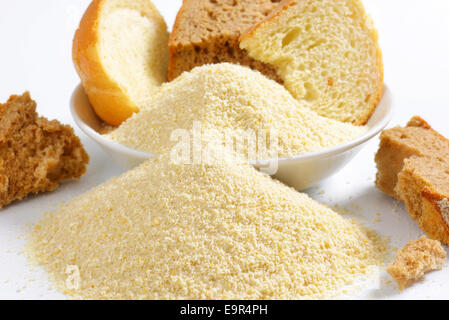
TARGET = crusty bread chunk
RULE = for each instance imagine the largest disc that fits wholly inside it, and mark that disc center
(423, 185)
(413, 167)
(399, 143)
(121, 54)
(415, 259)
(232, 102)
(326, 52)
(218, 229)
(35, 154)
(208, 31)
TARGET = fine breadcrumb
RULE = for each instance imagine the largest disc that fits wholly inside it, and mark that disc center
(231, 99)
(223, 231)
(214, 35)
(412, 167)
(415, 259)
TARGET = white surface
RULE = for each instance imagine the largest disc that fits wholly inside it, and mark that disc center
(35, 55)
(300, 172)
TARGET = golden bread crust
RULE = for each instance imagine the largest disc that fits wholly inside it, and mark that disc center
(419, 122)
(107, 98)
(432, 219)
(172, 47)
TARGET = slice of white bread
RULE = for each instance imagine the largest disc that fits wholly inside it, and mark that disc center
(327, 53)
(121, 54)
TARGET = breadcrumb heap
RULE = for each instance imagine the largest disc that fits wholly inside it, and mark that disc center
(415, 259)
(231, 98)
(227, 231)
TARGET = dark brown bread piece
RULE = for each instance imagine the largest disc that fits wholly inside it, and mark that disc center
(413, 167)
(35, 154)
(208, 32)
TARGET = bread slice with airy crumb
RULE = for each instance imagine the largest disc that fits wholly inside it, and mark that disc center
(35, 154)
(413, 167)
(121, 54)
(415, 259)
(208, 31)
(326, 52)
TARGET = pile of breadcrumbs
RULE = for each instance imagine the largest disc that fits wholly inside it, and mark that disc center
(223, 231)
(231, 100)
(218, 230)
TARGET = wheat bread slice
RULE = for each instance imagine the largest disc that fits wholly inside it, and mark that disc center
(120, 51)
(326, 52)
(208, 31)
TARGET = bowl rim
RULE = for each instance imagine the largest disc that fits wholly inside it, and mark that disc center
(370, 134)
(329, 152)
(91, 133)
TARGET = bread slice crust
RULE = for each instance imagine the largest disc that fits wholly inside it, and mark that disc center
(422, 192)
(433, 218)
(398, 144)
(416, 259)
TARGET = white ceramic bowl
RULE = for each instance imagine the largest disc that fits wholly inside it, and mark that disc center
(300, 172)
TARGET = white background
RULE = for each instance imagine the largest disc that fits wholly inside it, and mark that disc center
(35, 55)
